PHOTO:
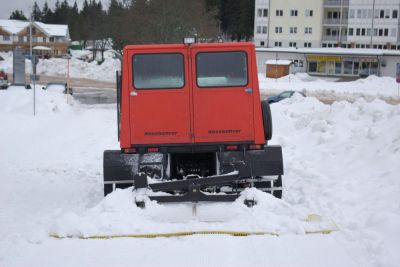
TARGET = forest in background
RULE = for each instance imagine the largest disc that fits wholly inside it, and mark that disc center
(149, 21)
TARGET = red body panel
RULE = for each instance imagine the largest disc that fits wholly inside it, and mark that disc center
(190, 114)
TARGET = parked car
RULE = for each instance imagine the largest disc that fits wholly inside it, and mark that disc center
(3, 80)
(283, 95)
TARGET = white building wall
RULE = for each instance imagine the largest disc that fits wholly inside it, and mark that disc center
(389, 66)
(287, 21)
(260, 39)
(364, 20)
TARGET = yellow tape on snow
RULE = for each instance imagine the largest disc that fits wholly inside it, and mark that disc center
(178, 234)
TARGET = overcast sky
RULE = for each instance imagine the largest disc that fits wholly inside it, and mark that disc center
(8, 6)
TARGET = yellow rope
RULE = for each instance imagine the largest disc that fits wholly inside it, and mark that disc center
(177, 234)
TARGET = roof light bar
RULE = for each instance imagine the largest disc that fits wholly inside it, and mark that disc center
(189, 40)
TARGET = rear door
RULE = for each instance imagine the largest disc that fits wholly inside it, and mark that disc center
(159, 96)
(222, 94)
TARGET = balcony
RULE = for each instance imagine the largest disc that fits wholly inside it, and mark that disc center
(335, 21)
(334, 38)
(336, 3)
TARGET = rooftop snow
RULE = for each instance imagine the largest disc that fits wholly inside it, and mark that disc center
(278, 62)
(15, 26)
(53, 29)
(332, 51)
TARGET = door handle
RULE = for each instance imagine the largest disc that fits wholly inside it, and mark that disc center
(248, 90)
(133, 93)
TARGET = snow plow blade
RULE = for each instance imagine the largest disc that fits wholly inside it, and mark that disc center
(193, 186)
(237, 170)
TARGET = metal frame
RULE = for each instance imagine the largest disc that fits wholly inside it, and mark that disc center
(192, 188)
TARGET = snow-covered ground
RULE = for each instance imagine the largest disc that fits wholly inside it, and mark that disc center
(370, 88)
(78, 68)
(341, 161)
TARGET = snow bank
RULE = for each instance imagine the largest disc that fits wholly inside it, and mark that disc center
(371, 86)
(341, 161)
(118, 214)
(78, 68)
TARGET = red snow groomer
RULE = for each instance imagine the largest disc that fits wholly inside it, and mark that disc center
(190, 118)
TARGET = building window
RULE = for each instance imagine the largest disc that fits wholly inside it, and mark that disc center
(368, 32)
(364, 13)
(387, 13)
(393, 32)
(293, 12)
(6, 37)
(358, 31)
(351, 13)
(386, 32)
(265, 12)
(309, 12)
(293, 29)
(307, 44)
(262, 43)
(359, 14)
(394, 14)
(21, 39)
(264, 29)
(380, 32)
(278, 29)
(259, 12)
(381, 13)
(292, 44)
(363, 32)
(351, 30)
(258, 29)
(279, 12)
(308, 30)
(278, 43)
(333, 15)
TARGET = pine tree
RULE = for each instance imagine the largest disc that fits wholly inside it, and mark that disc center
(47, 14)
(36, 12)
(18, 15)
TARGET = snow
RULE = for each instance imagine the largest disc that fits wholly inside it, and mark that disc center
(78, 68)
(13, 26)
(40, 47)
(278, 62)
(53, 29)
(341, 162)
(372, 86)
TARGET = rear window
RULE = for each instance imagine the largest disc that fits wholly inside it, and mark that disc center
(158, 71)
(221, 69)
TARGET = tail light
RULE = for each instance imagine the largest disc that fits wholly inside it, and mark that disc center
(255, 147)
(152, 149)
(232, 147)
(130, 150)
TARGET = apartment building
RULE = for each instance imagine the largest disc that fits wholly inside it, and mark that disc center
(374, 24)
(327, 23)
(288, 23)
